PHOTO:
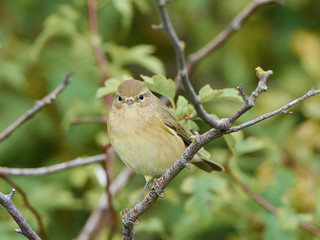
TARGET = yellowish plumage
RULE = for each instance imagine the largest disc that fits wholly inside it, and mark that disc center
(143, 132)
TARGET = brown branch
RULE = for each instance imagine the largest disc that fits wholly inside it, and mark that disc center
(86, 120)
(53, 168)
(29, 206)
(25, 229)
(95, 219)
(266, 204)
(37, 107)
(183, 72)
(234, 26)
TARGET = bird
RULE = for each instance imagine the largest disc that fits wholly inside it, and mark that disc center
(146, 136)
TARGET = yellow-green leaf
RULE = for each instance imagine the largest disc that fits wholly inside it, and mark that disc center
(207, 94)
(161, 85)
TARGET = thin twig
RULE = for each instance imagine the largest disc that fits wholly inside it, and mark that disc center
(250, 101)
(266, 204)
(234, 26)
(41, 230)
(275, 112)
(25, 229)
(183, 72)
(53, 168)
(37, 107)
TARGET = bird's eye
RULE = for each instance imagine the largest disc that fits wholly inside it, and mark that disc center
(141, 97)
(119, 98)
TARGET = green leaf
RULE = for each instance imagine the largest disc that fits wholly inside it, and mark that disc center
(207, 94)
(184, 109)
(161, 85)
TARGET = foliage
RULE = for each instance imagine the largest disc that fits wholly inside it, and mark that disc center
(278, 159)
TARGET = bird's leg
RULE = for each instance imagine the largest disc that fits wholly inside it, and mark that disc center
(143, 191)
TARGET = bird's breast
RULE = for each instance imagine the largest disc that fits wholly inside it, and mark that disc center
(143, 142)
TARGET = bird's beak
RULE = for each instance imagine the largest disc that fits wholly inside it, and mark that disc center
(129, 101)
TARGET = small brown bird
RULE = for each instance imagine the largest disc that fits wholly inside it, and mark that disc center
(144, 133)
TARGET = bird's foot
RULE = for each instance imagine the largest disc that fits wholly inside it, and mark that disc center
(155, 186)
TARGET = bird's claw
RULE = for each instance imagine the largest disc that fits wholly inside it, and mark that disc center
(157, 189)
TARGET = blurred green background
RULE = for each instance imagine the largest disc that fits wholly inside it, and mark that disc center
(41, 41)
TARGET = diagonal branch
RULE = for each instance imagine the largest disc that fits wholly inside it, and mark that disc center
(27, 204)
(25, 229)
(36, 108)
(53, 168)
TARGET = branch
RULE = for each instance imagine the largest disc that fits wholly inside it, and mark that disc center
(183, 72)
(37, 107)
(29, 206)
(25, 229)
(234, 26)
(266, 204)
(96, 217)
(53, 168)
(275, 112)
